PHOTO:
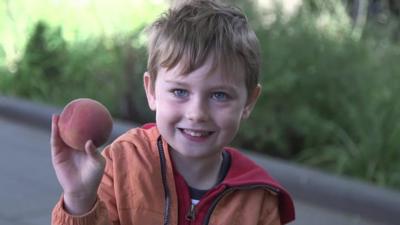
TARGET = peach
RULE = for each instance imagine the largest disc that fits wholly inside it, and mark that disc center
(84, 119)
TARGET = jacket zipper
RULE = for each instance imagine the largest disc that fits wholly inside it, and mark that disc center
(167, 198)
(230, 190)
(192, 212)
(191, 215)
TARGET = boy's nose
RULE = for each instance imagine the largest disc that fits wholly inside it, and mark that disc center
(197, 111)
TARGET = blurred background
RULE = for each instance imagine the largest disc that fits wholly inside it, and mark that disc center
(330, 73)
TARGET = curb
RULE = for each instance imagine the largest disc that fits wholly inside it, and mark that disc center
(329, 191)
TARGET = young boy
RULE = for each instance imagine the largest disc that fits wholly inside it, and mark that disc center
(202, 81)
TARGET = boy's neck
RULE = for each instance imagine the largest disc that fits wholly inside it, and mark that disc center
(199, 173)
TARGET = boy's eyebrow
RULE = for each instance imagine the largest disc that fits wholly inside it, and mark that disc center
(174, 82)
(224, 87)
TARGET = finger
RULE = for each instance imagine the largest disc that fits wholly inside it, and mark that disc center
(55, 136)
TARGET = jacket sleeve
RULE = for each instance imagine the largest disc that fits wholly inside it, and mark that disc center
(104, 212)
(270, 211)
(96, 216)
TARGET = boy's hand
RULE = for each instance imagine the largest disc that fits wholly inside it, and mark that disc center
(78, 172)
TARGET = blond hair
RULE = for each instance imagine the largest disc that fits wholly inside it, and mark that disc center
(194, 30)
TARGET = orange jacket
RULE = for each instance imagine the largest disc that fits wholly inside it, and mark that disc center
(139, 188)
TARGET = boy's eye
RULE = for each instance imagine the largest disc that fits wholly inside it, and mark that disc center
(220, 96)
(180, 93)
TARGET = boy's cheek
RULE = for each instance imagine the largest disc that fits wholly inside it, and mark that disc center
(168, 109)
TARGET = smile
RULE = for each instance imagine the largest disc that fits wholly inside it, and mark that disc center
(196, 133)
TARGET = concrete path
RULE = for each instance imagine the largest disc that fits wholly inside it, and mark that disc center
(29, 188)
(28, 184)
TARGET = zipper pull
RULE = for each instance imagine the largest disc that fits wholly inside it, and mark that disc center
(191, 215)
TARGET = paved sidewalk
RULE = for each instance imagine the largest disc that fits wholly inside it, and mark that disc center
(29, 188)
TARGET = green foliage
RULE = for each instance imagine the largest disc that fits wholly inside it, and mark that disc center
(97, 53)
(328, 101)
(79, 19)
(109, 70)
(41, 68)
(5, 80)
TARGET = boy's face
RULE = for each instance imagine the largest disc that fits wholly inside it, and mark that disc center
(199, 113)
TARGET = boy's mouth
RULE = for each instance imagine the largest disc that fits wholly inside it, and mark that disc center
(196, 133)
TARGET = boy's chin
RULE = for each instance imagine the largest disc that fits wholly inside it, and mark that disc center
(195, 153)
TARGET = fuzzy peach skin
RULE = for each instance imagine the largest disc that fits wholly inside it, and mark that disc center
(84, 119)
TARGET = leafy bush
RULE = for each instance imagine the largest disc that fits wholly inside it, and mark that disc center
(108, 70)
(328, 100)
(41, 68)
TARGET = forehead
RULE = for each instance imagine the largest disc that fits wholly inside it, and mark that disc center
(225, 72)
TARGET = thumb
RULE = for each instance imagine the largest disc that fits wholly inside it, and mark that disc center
(91, 149)
(94, 155)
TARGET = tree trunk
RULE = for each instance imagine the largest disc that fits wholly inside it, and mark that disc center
(359, 12)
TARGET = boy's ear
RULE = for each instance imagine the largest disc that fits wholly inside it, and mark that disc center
(251, 101)
(150, 91)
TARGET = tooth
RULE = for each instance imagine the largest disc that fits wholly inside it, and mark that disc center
(194, 133)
